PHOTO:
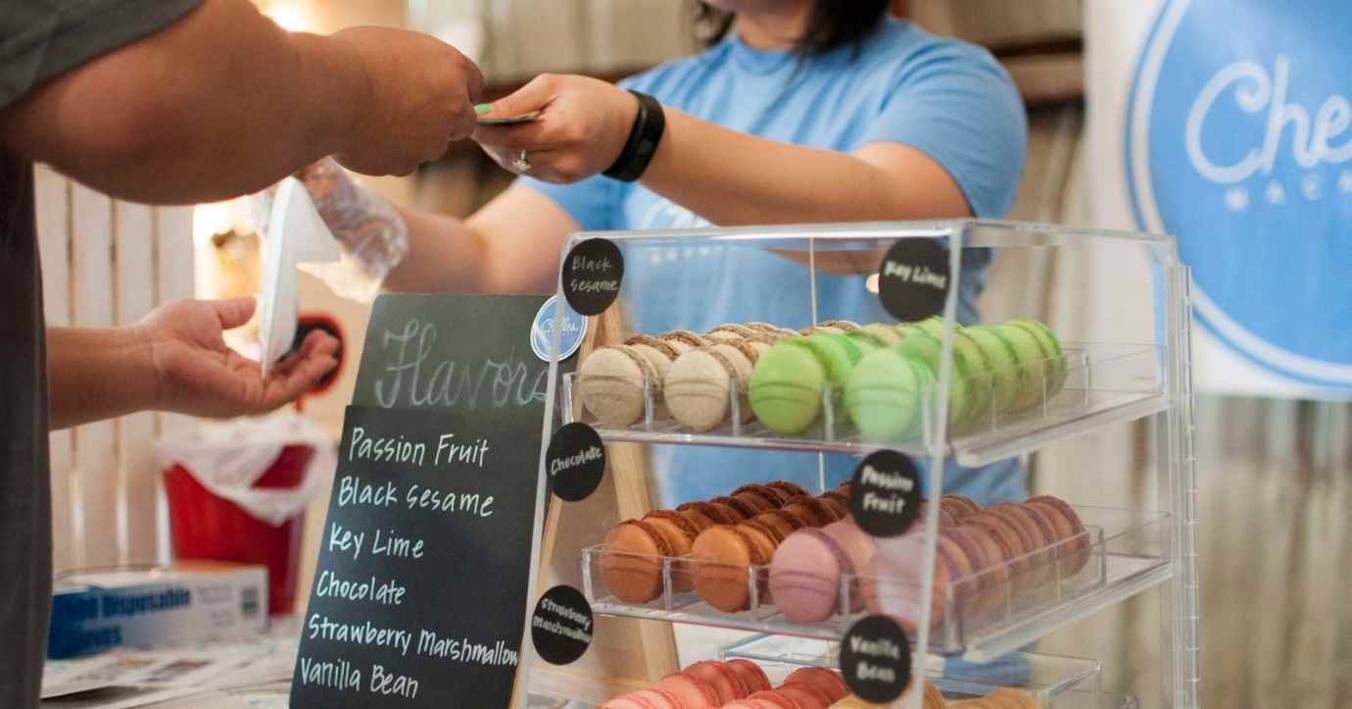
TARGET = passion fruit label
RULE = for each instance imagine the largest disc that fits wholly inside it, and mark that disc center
(875, 659)
(885, 494)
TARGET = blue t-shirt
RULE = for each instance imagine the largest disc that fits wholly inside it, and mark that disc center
(948, 99)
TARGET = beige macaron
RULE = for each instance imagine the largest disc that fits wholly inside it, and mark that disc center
(698, 386)
(610, 383)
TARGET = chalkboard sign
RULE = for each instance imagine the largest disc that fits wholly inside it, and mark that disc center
(422, 587)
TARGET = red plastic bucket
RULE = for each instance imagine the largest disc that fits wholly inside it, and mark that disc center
(204, 526)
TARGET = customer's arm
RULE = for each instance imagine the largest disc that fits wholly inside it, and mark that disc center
(727, 177)
(223, 102)
(173, 360)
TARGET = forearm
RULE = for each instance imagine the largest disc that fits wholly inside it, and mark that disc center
(731, 178)
(444, 256)
(97, 374)
(221, 103)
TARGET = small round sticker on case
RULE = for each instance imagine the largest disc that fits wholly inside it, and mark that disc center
(575, 461)
(573, 329)
(913, 279)
(885, 494)
(875, 659)
(592, 274)
(561, 626)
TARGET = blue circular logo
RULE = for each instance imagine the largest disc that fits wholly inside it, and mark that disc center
(542, 330)
(1239, 142)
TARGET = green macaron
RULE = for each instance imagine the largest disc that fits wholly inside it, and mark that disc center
(929, 350)
(839, 353)
(786, 386)
(1035, 361)
(1050, 344)
(1005, 376)
(884, 395)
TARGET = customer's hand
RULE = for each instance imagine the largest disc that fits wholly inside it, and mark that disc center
(422, 95)
(196, 373)
(583, 127)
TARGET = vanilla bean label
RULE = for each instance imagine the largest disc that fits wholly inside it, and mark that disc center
(875, 659)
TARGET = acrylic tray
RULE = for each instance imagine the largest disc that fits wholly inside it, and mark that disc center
(1104, 383)
(1120, 554)
(1046, 677)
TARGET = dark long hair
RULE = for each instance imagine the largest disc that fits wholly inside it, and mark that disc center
(831, 24)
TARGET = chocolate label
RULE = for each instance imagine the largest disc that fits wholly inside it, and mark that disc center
(592, 275)
(885, 494)
(575, 461)
(914, 278)
(875, 659)
(561, 626)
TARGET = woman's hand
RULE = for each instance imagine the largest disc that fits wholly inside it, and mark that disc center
(583, 126)
(196, 373)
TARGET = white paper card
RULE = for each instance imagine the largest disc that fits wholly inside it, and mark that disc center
(296, 234)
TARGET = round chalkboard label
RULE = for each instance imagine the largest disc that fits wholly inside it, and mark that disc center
(592, 274)
(875, 659)
(913, 279)
(575, 460)
(561, 626)
(885, 494)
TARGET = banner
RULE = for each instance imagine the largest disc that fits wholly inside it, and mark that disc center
(1228, 125)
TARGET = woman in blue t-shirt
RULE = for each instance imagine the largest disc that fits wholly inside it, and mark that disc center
(798, 111)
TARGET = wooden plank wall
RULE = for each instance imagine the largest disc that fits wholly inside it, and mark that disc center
(107, 263)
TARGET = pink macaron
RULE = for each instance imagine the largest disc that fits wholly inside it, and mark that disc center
(805, 575)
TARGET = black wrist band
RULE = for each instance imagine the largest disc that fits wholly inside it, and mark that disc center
(649, 125)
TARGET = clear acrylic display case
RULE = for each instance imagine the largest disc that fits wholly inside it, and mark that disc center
(1123, 357)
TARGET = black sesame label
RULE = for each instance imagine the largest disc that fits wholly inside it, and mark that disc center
(561, 626)
(575, 461)
(875, 659)
(913, 279)
(885, 494)
(592, 274)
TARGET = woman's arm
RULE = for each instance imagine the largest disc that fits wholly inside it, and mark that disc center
(727, 177)
(511, 245)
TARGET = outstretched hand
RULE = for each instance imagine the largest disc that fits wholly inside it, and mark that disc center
(197, 373)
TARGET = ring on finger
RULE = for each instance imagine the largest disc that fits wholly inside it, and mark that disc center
(521, 163)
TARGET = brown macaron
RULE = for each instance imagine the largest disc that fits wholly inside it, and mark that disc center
(758, 496)
(722, 557)
(744, 509)
(839, 510)
(680, 534)
(790, 488)
(631, 561)
(1073, 542)
(707, 514)
(812, 511)
(780, 523)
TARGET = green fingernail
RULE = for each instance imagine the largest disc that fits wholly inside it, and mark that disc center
(483, 108)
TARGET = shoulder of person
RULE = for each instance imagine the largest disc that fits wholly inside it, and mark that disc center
(906, 54)
(666, 76)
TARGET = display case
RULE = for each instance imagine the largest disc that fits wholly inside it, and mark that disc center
(847, 345)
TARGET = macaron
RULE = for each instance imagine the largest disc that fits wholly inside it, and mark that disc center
(745, 510)
(893, 585)
(831, 500)
(724, 680)
(839, 354)
(959, 506)
(688, 690)
(679, 533)
(805, 575)
(887, 335)
(804, 696)
(829, 681)
(980, 390)
(1005, 375)
(884, 395)
(752, 676)
(610, 383)
(812, 511)
(1008, 536)
(684, 340)
(786, 387)
(1073, 543)
(707, 514)
(722, 558)
(631, 563)
(860, 547)
(759, 496)
(1051, 345)
(1035, 360)
(700, 383)
(792, 489)
(780, 523)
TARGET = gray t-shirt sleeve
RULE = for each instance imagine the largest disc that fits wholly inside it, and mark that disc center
(43, 39)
